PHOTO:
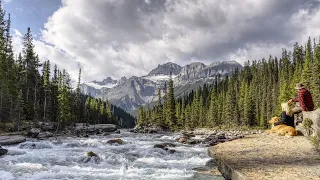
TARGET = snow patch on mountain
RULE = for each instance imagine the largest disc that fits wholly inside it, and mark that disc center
(98, 86)
(156, 78)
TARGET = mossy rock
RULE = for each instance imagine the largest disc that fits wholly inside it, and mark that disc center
(91, 154)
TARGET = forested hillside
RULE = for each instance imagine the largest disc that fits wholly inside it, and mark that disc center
(31, 92)
(248, 98)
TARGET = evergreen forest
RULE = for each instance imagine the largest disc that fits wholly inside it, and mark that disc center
(30, 92)
(248, 97)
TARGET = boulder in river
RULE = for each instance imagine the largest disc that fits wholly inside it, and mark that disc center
(192, 141)
(182, 140)
(33, 132)
(91, 154)
(3, 151)
(105, 134)
(117, 131)
(11, 140)
(91, 157)
(44, 135)
(165, 146)
(115, 141)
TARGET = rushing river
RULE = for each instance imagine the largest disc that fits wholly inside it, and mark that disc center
(135, 159)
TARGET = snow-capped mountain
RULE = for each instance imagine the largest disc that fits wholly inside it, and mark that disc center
(95, 88)
(131, 93)
(163, 72)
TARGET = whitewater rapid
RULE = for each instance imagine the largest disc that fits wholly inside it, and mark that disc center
(134, 160)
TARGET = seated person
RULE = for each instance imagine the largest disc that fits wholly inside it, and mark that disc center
(287, 116)
(304, 98)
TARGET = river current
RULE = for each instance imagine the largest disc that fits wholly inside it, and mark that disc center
(135, 159)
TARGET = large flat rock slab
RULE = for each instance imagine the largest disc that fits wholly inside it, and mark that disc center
(11, 140)
(263, 156)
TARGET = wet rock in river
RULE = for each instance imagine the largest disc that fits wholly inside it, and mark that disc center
(105, 134)
(91, 154)
(211, 163)
(165, 146)
(11, 140)
(3, 151)
(182, 140)
(34, 145)
(115, 141)
(91, 157)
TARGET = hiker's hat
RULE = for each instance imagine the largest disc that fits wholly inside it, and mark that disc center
(299, 86)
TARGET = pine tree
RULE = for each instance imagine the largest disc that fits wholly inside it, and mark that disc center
(47, 90)
(88, 110)
(307, 66)
(212, 114)
(285, 90)
(77, 102)
(54, 95)
(19, 115)
(141, 117)
(159, 111)
(64, 99)
(171, 118)
(316, 77)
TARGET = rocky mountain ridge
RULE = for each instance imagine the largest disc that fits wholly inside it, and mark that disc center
(131, 93)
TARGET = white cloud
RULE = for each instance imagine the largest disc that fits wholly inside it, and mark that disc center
(7, 1)
(17, 41)
(124, 38)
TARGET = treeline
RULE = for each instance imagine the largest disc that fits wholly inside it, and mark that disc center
(249, 97)
(28, 96)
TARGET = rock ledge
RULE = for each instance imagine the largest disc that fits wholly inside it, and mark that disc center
(262, 156)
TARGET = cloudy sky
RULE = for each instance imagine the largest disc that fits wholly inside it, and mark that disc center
(130, 37)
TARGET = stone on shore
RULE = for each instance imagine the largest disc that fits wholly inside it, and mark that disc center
(11, 140)
(47, 126)
(315, 128)
(33, 132)
(44, 135)
(262, 156)
(94, 129)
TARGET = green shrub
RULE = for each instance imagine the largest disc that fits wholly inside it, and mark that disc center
(315, 141)
(307, 123)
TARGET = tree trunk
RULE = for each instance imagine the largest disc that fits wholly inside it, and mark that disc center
(45, 105)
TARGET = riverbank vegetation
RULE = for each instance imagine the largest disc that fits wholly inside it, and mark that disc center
(30, 92)
(248, 97)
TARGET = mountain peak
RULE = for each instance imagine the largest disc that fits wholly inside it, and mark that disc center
(166, 69)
